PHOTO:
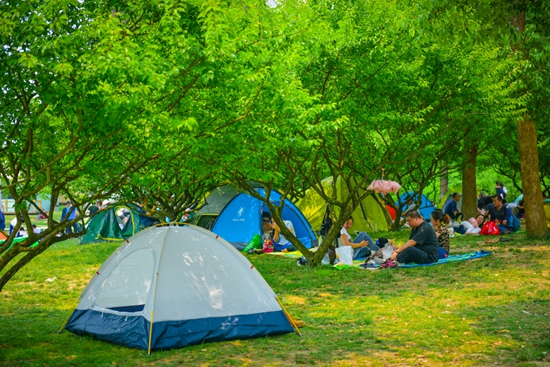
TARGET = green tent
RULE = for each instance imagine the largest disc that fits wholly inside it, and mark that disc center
(108, 226)
(368, 216)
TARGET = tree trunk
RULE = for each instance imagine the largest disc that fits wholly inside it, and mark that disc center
(443, 180)
(469, 184)
(535, 218)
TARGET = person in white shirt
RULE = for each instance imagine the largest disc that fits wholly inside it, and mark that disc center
(363, 244)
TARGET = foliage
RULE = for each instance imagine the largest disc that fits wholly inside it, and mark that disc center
(335, 116)
(161, 101)
(82, 87)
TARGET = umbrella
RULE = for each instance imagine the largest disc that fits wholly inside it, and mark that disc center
(384, 187)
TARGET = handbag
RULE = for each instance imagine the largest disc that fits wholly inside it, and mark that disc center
(268, 245)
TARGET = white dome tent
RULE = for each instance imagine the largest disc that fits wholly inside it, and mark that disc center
(173, 286)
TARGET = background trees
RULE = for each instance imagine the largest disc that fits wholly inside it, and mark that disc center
(85, 87)
(165, 100)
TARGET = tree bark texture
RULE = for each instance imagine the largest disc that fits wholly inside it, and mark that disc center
(469, 183)
(535, 217)
(443, 180)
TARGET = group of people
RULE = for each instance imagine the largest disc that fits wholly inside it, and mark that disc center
(430, 241)
(497, 211)
(423, 246)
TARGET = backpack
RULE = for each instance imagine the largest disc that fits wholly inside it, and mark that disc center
(327, 222)
(330, 256)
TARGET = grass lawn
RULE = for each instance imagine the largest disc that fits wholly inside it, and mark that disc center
(490, 311)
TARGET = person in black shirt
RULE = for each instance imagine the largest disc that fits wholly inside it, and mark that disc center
(502, 213)
(422, 246)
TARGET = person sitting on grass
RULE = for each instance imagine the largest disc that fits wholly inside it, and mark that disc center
(422, 246)
(502, 213)
(473, 225)
(362, 245)
(452, 209)
(441, 233)
(272, 231)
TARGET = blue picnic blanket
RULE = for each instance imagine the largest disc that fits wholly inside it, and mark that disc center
(452, 259)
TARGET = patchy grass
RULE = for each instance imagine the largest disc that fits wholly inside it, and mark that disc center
(490, 311)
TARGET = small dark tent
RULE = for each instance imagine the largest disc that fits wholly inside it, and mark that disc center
(108, 226)
(236, 216)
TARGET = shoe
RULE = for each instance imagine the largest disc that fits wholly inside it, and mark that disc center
(502, 239)
(388, 264)
(369, 266)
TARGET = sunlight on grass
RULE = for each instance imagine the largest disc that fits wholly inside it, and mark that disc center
(480, 312)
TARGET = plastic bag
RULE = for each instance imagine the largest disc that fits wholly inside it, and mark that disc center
(490, 228)
(387, 251)
(345, 255)
(255, 243)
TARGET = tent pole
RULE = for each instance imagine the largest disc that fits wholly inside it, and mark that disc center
(68, 315)
(290, 319)
(150, 331)
(155, 290)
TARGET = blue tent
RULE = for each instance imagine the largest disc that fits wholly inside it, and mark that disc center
(236, 216)
(426, 206)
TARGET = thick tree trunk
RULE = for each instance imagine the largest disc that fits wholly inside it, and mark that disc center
(469, 184)
(535, 217)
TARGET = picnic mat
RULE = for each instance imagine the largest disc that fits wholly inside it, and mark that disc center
(450, 259)
(356, 263)
(292, 255)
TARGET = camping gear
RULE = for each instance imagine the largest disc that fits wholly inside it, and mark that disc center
(236, 216)
(426, 206)
(490, 228)
(108, 226)
(369, 216)
(173, 286)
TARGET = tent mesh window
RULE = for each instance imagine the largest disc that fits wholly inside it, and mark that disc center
(134, 272)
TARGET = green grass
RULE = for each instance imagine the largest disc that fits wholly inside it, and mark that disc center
(490, 311)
